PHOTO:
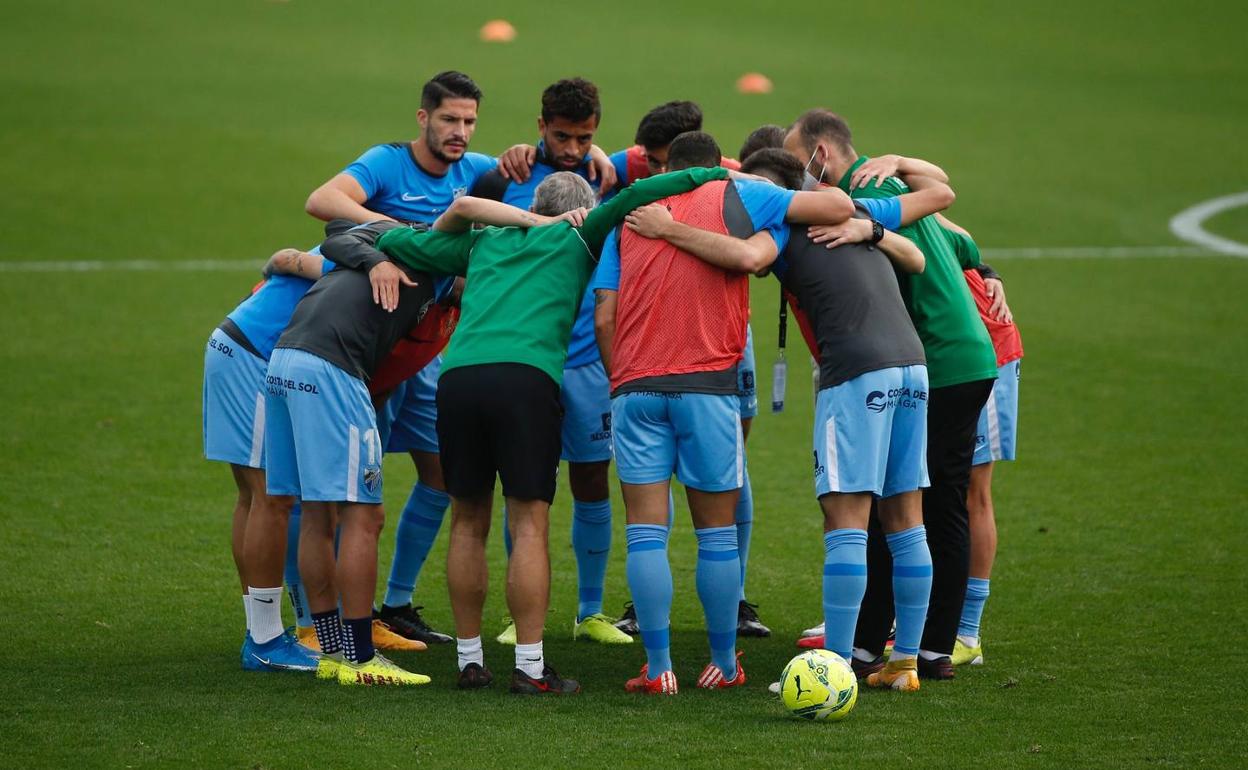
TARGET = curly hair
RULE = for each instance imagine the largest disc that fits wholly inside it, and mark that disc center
(574, 99)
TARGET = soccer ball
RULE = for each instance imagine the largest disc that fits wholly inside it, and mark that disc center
(819, 685)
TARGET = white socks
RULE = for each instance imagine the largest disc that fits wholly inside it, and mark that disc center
(247, 611)
(969, 641)
(469, 651)
(530, 660)
(266, 613)
(863, 655)
(929, 655)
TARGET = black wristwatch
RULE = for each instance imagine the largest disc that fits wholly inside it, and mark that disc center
(877, 231)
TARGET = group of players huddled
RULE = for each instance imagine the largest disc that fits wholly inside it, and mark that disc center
(492, 317)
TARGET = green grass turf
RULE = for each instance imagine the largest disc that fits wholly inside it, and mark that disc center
(1231, 224)
(184, 130)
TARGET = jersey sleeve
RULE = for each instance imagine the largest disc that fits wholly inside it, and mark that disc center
(767, 204)
(620, 161)
(433, 251)
(480, 165)
(963, 248)
(372, 169)
(886, 211)
(607, 275)
(326, 263)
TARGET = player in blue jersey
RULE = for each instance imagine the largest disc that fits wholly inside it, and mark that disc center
(414, 181)
(235, 360)
(571, 112)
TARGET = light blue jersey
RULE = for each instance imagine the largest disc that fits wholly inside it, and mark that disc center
(395, 184)
(263, 316)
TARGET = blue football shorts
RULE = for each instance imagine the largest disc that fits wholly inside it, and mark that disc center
(233, 403)
(747, 382)
(997, 434)
(871, 433)
(410, 419)
(321, 437)
(586, 398)
(695, 435)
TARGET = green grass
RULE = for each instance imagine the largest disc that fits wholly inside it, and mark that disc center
(186, 130)
(1232, 224)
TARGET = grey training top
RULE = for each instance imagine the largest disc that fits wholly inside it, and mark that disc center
(851, 296)
(337, 319)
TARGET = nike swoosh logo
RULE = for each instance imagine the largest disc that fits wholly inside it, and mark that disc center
(283, 666)
(266, 601)
(414, 198)
(533, 660)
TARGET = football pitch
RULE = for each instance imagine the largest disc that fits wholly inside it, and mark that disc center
(137, 136)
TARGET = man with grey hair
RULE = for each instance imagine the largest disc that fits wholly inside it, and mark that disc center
(498, 395)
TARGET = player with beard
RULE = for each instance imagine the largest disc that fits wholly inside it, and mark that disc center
(413, 181)
(961, 368)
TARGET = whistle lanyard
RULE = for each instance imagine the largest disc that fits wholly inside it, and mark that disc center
(780, 372)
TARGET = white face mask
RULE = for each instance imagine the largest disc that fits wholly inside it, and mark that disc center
(822, 167)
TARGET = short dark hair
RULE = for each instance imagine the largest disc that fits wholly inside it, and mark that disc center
(693, 149)
(778, 166)
(448, 85)
(575, 99)
(819, 124)
(667, 121)
(761, 138)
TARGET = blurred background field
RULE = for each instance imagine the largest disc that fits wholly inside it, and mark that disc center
(194, 130)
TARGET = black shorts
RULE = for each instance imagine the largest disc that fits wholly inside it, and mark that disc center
(502, 419)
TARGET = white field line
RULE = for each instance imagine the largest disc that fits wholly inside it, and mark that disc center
(1189, 225)
(133, 265)
(1097, 252)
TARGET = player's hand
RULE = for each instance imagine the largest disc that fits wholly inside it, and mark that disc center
(386, 278)
(575, 217)
(517, 162)
(601, 169)
(879, 169)
(649, 221)
(999, 310)
(849, 231)
(282, 261)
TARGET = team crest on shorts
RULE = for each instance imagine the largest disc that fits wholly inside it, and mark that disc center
(372, 478)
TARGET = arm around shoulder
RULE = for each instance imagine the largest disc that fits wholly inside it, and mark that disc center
(341, 197)
(902, 252)
(820, 207)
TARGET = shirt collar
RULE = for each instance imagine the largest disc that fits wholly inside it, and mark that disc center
(544, 159)
(844, 183)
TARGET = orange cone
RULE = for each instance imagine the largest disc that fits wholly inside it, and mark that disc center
(754, 83)
(498, 31)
